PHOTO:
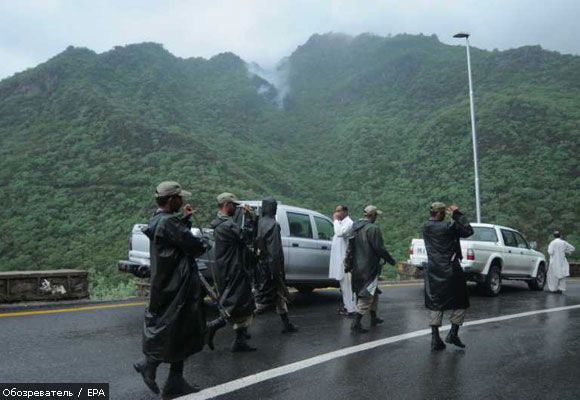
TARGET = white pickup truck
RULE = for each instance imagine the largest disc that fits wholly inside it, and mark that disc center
(491, 254)
(306, 241)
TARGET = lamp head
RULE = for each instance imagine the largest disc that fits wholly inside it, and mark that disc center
(461, 35)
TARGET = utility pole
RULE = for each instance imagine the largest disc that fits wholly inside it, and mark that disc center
(473, 133)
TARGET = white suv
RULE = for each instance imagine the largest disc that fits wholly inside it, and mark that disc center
(491, 254)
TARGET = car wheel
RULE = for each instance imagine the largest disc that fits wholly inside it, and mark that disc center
(540, 280)
(492, 284)
(305, 289)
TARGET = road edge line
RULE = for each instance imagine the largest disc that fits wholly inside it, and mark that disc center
(71, 309)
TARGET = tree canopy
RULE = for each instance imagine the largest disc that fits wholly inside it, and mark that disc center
(86, 137)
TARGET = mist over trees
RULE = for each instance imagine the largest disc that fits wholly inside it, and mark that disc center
(86, 137)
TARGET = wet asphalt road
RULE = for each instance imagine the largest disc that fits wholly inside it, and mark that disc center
(534, 357)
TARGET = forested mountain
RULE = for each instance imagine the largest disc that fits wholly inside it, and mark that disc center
(386, 120)
(85, 137)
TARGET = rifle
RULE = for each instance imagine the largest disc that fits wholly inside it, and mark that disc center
(249, 238)
(213, 294)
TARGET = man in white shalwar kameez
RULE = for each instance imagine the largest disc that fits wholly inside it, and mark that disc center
(342, 231)
(559, 268)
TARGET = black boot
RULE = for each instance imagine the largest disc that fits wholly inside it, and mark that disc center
(212, 328)
(240, 344)
(356, 326)
(376, 320)
(453, 337)
(176, 386)
(148, 370)
(289, 327)
(436, 342)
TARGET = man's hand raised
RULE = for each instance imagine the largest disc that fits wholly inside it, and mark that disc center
(452, 208)
(187, 210)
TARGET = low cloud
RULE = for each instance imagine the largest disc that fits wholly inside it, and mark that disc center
(264, 31)
(277, 76)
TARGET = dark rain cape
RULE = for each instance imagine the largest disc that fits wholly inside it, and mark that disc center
(233, 277)
(369, 250)
(271, 275)
(445, 284)
(174, 320)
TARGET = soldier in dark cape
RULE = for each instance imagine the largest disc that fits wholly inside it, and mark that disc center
(445, 283)
(175, 321)
(369, 255)
(271, 287)
(234, 280)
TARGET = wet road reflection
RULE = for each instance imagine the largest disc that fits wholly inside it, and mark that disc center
(507, 359)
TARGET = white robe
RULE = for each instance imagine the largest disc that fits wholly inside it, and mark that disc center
(559, 268)
(342, 231)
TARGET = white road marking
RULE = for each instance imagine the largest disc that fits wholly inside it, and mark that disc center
(249, 380)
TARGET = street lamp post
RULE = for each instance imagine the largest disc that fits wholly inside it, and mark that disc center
(462, 35)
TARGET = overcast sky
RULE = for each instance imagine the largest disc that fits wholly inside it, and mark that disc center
(31, 31)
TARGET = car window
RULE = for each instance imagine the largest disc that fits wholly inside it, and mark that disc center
(325, 229)
(481, 234)
(509, 238)
(522, 243)
(300, 225)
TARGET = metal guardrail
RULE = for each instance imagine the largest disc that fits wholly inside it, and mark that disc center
(574, 268)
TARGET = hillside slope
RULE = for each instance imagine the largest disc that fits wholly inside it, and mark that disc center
(85, 137)
(386, 120)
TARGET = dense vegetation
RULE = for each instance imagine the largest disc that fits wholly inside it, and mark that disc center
(85, 137)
